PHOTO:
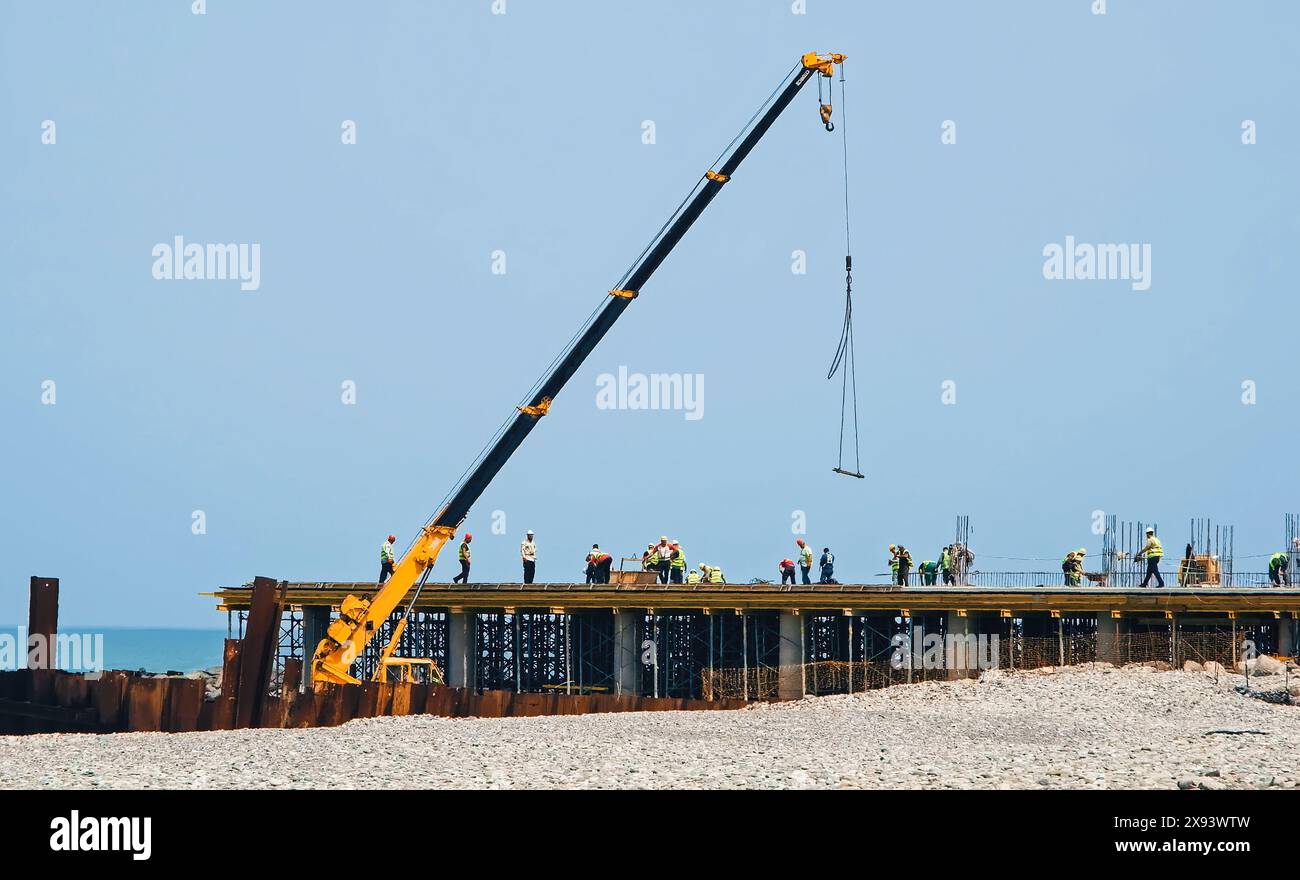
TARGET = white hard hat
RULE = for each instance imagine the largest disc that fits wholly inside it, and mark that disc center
(1151, 531)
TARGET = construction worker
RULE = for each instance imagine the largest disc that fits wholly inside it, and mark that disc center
(604, 563)
(893, 563)
(664, 555)
(828, 566)
(904, 565)
(649, 562)
(929, 572)
(386, 559)
(716, 576)
(528, 555)
(676, 564)
(946, 562)
(693, 577)
(805, 559)
(463, 555)
(786, 567)
(1277, 570)
(591, 564)
(1154, 552)
(1067, 569)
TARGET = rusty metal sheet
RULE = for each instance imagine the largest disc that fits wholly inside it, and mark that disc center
(257, 655)
(441, 701)
(145, 701)
(401, 699)
(109, 697)
(184, 703)
(230, 668)
(43, 617)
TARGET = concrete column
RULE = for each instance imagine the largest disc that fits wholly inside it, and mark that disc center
(958, 627)
(1286, 636)
(315, 621)
(1109, 630)
(460, 649)
(790, 682)
(627, 653)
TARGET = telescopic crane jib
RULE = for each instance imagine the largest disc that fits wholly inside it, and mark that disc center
(361, 616)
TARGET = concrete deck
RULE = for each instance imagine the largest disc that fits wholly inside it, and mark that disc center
(857, 598)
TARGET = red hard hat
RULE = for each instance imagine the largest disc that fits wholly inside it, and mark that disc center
(392, 537)
(799, 541)
(469, 537)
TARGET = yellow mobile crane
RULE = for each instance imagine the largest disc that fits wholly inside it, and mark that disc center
(360, 616)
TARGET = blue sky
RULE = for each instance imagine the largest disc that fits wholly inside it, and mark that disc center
(522, 133)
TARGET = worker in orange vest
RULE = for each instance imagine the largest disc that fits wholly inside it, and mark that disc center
(786, 568)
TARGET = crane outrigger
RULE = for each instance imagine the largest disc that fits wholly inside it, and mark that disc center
(361, 616)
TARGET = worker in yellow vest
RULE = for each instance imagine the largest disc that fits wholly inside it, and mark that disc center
(1154, 552)
(1070, 568)
(693, 577)
(805, 560)
(677, 564)
(463, 555)
(716, 576)
(386, 559)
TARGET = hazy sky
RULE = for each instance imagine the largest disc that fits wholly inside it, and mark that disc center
(524, 133)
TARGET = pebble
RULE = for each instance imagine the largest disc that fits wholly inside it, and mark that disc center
(1078, 727)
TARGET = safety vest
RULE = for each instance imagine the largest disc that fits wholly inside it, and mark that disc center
(652, 560)
(464, 551)
(1157, 549)
(906, 556)
(893, 565)
(945, 561)
(1276, 561)
(693, 577)
(715, 576)
(679, 561)
(1069, 558)
(386, 552)
(805, 556)
(828, 559)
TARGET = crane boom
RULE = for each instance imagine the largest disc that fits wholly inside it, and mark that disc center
(360, 617)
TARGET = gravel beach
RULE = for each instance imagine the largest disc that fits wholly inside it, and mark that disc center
(1083, 727)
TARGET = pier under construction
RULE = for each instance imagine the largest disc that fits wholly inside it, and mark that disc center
(768, 642)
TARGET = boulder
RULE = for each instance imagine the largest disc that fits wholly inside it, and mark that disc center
(1213, 667)
(1192, 666)
(1265, 665)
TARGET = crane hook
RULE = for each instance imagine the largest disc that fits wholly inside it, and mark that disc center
(826, 117)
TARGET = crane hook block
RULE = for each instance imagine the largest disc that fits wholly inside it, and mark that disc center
(826, 117)
(716, 177)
